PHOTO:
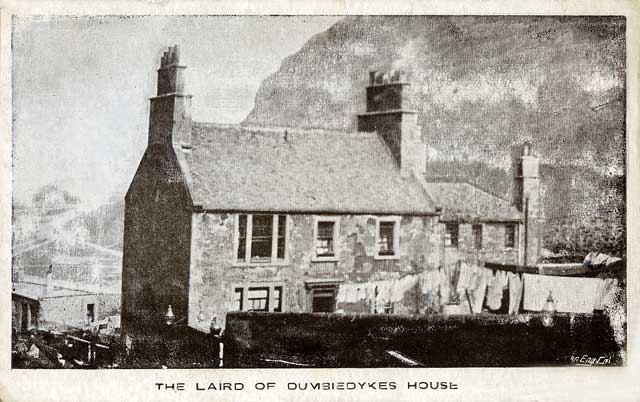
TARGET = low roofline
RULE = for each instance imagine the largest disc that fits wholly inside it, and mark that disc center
(481, 220)
(201, 209)
(463, 180)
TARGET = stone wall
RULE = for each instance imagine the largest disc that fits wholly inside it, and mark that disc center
(215, 272)
(156, 242)
(493, 245)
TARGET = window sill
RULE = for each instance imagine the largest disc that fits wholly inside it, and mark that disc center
(325, 259)
(386, 257)
(452, 247)
(261, 264)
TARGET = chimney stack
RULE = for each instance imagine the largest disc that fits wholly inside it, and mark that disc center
(526, 197)
(170, 116)
(388, 112)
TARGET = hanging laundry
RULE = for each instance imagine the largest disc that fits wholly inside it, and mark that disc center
(480, 292)
(401, 286)
(606, 293)
(468, 277)
(515, 292)
(430, 281)
(571, 295)
(347, 293)
(494, 292)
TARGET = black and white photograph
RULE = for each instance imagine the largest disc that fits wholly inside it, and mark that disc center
(318, 191)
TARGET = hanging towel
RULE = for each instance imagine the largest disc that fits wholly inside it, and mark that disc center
(515, 292)
(480, 291)
(445, 287)
(605, 293)
(401, 286)
(494, 292)
(430, 281)
(571, 295)
(468, 279)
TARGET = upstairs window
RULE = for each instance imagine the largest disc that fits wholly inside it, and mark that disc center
(387, 239)
(451, 234)
(477, 236)
(261, 239)
(510, 236)
(326, 235)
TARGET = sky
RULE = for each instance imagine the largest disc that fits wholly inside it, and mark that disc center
(81, 88)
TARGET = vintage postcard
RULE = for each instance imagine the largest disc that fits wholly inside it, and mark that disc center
(354, 203)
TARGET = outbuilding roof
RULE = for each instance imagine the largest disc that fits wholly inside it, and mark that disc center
(465, 202)
(241, 168)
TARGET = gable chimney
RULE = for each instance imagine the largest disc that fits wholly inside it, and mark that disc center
(170, 116)
(389, 114)
(526, 197)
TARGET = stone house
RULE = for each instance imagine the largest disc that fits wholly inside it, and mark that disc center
(223, 218)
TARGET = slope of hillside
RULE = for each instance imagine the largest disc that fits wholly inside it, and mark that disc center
(480, 85)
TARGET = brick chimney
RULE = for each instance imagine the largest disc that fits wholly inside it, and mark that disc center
(389, 114)
(526, 197)
(170, 116)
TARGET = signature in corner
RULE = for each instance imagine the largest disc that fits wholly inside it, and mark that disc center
(586, 360)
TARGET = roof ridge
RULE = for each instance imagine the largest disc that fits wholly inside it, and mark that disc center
(290, 129)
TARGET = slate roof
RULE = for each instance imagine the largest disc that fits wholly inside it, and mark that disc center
(464, 201)
(36, 291)
(242, 168)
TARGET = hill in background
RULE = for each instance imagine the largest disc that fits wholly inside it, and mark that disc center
(481, 84)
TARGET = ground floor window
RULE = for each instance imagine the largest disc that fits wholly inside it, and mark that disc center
(267, 297)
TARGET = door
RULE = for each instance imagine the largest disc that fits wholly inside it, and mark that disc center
(323, 299)
(24, 317)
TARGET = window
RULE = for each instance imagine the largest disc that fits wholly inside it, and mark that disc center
(325, 235)
(261, 297)
(261, 238)
(387, 240)
(277, 296)
(477, 236)
(238, 298)
(258, 299)
(451, 234)
(510, 236)
(91, 316)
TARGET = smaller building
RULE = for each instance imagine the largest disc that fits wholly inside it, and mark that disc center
(38, 303)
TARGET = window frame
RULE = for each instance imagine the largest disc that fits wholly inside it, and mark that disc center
(272, 302)
(447, 235)
(396, 238)
(473, 235)
(93, 314)
(273, 259)
(514, 229)
(336, 232)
